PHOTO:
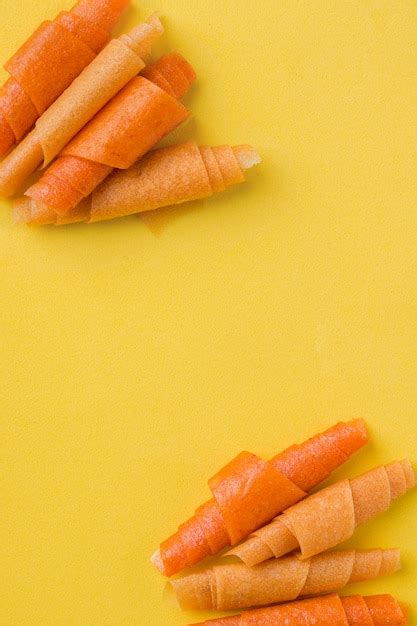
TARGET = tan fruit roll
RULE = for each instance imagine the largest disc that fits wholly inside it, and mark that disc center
(330, 516)
(120, 61)
(164, 177)
(237, 586)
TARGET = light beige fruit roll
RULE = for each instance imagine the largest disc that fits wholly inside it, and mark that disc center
(109, 72)
(164, 177)
(330, 516)
(237, 586)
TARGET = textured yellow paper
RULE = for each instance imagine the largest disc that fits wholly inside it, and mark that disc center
(133, 367)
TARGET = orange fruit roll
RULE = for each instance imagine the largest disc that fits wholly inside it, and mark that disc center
(382, 610)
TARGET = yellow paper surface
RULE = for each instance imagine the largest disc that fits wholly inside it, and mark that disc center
(133, 368)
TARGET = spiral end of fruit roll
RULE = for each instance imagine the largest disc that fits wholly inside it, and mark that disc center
(156, 560)
(28, 211)
(19, 164)
(247, 156)
(142, 37)
(22, 211)
(172, 73)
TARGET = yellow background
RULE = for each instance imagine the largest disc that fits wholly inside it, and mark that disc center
(134, 367)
